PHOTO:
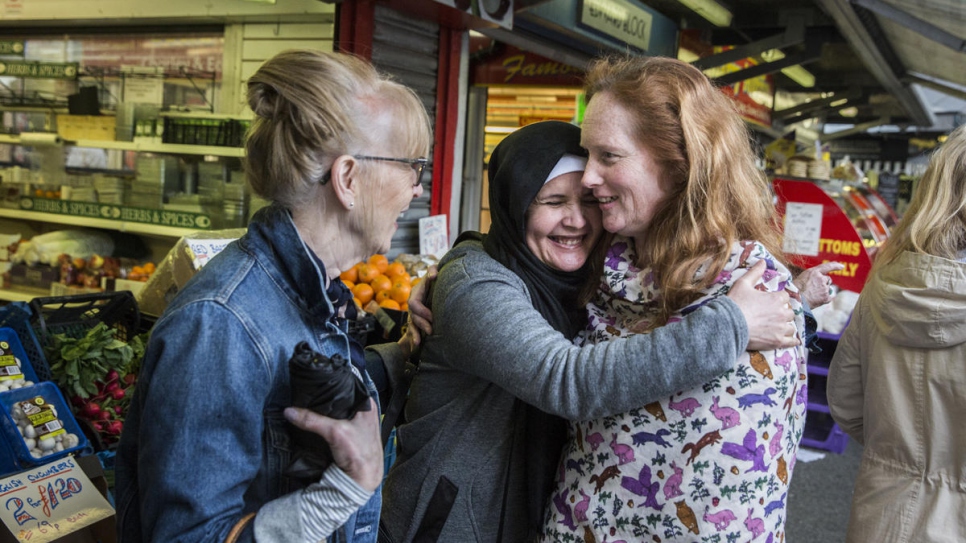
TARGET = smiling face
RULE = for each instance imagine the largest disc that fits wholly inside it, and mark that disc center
(628, 184)
(563, 223)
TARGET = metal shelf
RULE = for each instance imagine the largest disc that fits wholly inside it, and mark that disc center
(22, 294)
(120, 226)
(170, 148)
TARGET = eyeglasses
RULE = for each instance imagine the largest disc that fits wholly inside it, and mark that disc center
(417, 164)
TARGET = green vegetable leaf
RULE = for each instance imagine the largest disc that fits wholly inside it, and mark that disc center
(78, 364)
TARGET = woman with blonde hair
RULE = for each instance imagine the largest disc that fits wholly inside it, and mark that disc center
(674, 174)
(206, 450)
(897, 383)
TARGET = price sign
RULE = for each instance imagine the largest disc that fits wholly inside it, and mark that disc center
(48, 502)
(203, 250)
(803, 228)
(433, 237)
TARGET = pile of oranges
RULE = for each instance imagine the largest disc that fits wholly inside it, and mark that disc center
(377, 280)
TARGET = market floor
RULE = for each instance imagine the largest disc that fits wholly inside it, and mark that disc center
(820, 495)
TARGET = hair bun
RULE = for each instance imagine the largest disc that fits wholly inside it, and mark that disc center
(263, 99)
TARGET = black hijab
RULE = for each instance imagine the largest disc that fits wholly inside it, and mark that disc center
(518, 169)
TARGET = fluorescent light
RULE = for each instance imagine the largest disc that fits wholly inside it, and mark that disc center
(800, 75)
(686, 55)
(849, 111)
(710, 10)
(838, 103)
(796, 73)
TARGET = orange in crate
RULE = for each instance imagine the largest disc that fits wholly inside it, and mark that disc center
(389, 304)
(400, 291)
(380, 262)
(363, 292)
(367, 273)
(396, 269)
(352, 274)
(380, 283)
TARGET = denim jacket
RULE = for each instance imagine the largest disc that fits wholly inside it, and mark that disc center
(206, 420)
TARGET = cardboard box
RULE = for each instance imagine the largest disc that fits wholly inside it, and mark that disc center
(112, 284)
(34, 276)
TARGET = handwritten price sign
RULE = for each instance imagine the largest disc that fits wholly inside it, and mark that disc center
(48, 502)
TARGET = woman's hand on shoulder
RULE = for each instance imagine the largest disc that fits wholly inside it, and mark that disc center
(770, 319)
(420, 321)
(419, 313)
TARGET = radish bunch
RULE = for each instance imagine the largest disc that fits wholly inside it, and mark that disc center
(105, 410)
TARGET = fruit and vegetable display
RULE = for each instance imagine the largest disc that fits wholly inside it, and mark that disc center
(383, 283)
(97, 371)
(89, 272)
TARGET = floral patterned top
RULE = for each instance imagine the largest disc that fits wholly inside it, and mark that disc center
(711, 464)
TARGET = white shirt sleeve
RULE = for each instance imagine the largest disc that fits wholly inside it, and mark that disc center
(312, 514)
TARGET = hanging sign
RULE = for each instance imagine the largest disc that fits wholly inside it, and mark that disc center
(8, 47)
(39, 70)
(48, 502)
(160, 217)
(619, 19)
(517, 67)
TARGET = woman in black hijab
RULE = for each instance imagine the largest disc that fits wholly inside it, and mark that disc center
(478, 453)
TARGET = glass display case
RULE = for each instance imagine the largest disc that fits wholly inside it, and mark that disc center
(826, 221)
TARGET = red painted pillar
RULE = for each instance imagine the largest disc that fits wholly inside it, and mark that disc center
(447, 119)
(356, 19)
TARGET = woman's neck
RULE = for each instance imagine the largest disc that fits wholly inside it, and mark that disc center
(325, 235)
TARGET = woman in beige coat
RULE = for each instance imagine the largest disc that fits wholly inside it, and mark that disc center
(898, 378)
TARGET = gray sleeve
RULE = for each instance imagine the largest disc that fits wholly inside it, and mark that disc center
(488, 327)
(391, 357)
(312, 514)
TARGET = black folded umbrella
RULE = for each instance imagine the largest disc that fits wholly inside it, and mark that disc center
(328, 387)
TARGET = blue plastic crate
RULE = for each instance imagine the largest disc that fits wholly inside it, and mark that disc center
(8, 462)
(50, 394)
(821, 432)
(17, 317)
(10, 343)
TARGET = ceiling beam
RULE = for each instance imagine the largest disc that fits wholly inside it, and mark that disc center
(865, 47)
(917, 25)
(857, 129)
(936, 84)
(812, 52)
(813, 107)
(793, 35)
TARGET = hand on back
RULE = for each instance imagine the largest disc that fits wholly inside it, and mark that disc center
(770, 319)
